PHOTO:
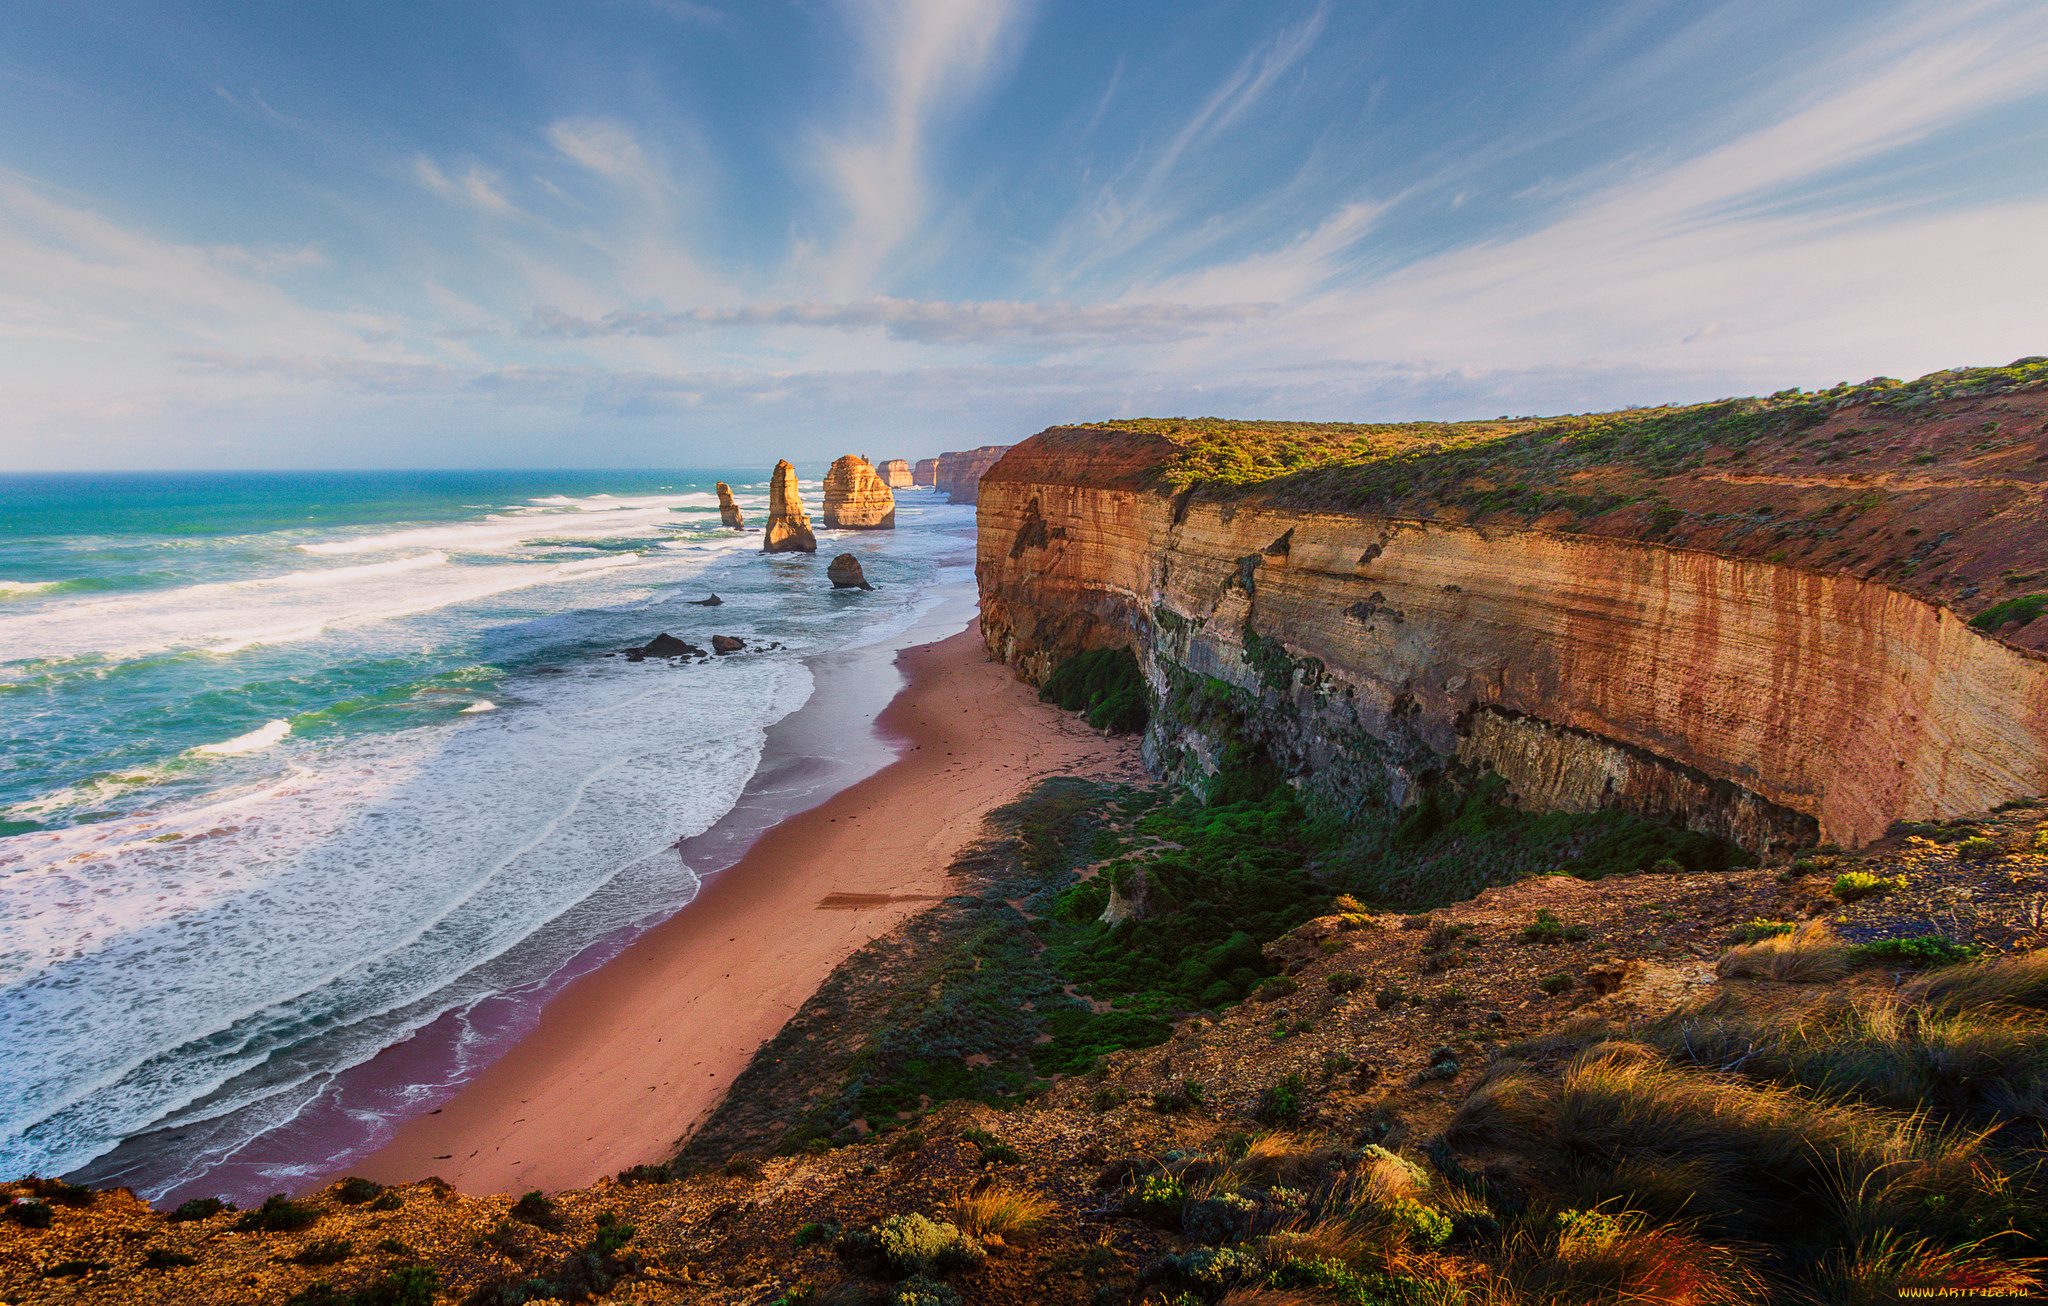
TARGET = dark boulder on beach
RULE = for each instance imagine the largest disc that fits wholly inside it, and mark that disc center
(712, 602)
(727, 644)
(845, 573)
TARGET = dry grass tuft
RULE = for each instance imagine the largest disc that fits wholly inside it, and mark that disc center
(1591, 1256)
(1873, 1272)
(1282, 1158)
(1808, 955)
(999, 1213)
(2020, 981)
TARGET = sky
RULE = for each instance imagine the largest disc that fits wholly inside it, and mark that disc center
(677, 233)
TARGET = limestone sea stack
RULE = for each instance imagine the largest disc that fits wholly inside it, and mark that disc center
(728, 511)
(856, 499)
(845, 573)
(896, 474)
(926, 473)
(788, 530)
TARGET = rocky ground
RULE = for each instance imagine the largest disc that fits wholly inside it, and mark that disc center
(1374, 1033)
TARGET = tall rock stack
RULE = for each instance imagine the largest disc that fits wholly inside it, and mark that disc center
(728, 511)
(926, 473)
(789, 530)
(958, 475)
(856, 498)
(896, 474)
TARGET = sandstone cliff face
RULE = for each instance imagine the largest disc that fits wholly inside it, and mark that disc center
(856, 498)
(1758, 701)
(958, 475)
(789, 528)
(728, 511)
(926, 473)
(896, 474)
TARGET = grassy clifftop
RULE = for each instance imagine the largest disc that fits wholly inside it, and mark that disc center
(1933, 486)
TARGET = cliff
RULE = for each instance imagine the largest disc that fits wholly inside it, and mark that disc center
(926, 473)
(958, 475)
(856, 498)
(789, 528)
(896, 474)
(1746, 618)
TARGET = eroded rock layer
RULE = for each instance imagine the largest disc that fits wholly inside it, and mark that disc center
(896, 474)
(1747, 698)
(789, 528)
(926, 473)
(856, 498)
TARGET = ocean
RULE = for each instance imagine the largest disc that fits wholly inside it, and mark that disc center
(296, 765)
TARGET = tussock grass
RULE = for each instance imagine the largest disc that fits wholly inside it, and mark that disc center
(999, 1213)
(1592, 1256)
(1808, 955)
(2020, 981)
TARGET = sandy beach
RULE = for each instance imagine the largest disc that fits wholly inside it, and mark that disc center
(628, 1059)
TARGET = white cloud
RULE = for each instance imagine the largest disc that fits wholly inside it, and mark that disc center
(909, 319)
(479, 186)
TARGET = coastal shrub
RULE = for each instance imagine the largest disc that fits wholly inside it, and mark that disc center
(75, 1269)
(408, 1285)
(388, 1200)
(1158, 1199)
(2022, 609)
(1183, 1096)
(1555, 984)
(1547, 928)
(903, 1144)
(1923, 951)
(535, 1209)
(813, 1232)
(647, 1174)
(1107, 685)
(1756, 928)
(1343, 981)
(1854, 886)
(1978, 850)
(905, 1245)
(922, 1290)
(59, 1191)
(742, 1167)
(198, 1208)
(279, 1214)
(993, 1150)
(1081, 1037)
(325, 1251)
(30, 1215)
(164, 1258)
(1280, 1104)
(354, 1192)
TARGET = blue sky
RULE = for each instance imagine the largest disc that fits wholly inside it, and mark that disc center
(683, 232)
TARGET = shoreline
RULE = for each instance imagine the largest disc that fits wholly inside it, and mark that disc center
(631, 1056)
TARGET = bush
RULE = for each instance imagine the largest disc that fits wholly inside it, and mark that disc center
(1344, 981)
(1555, 984)
(1924, 952)
(163, 1258)
(807, 1234)
(1548, 929)
(325, 1251)
(1756, 929)
(1158, 1199)
(199, 1208)
(647, 1174)
(741, 1167)
(409, 1285)
(535, 1209)
(1853, 886)
(354, 1192)
(279, 1214)
(1280, 986)
(1978, 850)
(30, 1215)
(59, 1191)
(1183, 1096)
(906, 1245)
(1281, 1104)
(1107, 685)
(1393, 995)
(388, 1200)
(2024, 608)
(993, 1150)
(906, 1142)
(1219, 1219)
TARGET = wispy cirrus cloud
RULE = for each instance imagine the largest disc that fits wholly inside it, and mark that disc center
(909, 319)
(478, 186)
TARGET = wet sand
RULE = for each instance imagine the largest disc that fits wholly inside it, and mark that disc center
(626, 1060)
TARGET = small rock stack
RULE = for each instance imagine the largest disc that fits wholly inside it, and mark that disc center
(845, 573)
(926, 473)
(789, 530)
(896, 474)
(856, 498)
(728, 511)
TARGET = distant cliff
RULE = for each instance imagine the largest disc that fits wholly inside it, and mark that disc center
(958, 475)
(1749, 617)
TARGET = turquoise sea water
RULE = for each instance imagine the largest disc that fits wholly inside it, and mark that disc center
(294, 764)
